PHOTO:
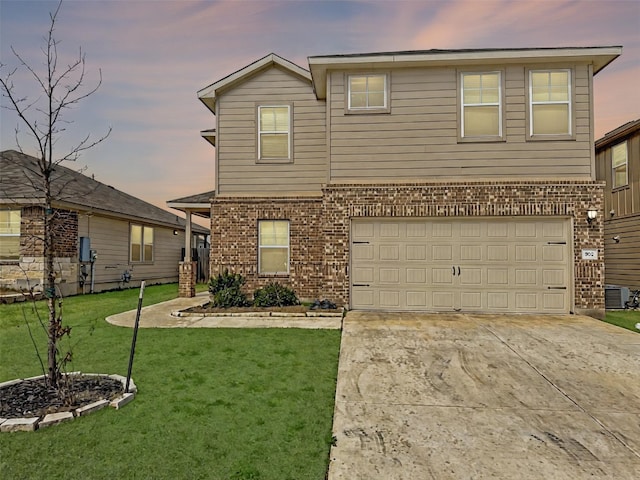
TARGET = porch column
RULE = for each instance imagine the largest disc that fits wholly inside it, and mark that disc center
(187, 268)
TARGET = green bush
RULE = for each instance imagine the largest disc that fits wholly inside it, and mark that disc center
(275, 295)
(226, 290)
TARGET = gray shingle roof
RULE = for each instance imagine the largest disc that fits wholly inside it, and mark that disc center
(19, 180)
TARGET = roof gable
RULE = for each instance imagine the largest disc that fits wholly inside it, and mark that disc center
(209, 94)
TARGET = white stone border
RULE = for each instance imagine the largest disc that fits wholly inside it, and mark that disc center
(310, 313)
(30, 424)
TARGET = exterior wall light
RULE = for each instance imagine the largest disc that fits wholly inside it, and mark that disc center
(592, 213)
(175, 232)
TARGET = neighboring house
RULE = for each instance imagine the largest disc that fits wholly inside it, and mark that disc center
(438, 180)
(104, 238)
(618, 164)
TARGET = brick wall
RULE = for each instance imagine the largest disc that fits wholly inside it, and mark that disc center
(320, 227)
(234, 234)
(28, 272)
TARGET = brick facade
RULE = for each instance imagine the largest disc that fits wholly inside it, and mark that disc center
(320, 227)
(28, 272)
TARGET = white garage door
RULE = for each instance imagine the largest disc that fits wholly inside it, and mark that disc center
(497, 265)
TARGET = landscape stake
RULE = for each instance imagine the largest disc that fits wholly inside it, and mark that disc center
(135, 336)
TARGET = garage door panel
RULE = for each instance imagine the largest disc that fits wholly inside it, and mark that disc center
(553, 253)
(416, 275)
(389, 275)
(526, 253)
(471, 276)
(497, 301)
(471, 253)
(362, 252)
(501, 265)
(389, 252)
(363, 275)
(416, 252)
(497, 276)
(498, 253)
(390, 299)
(441, 253)
(442, 276)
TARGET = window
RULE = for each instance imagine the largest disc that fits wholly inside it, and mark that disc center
(481, 105)
(141, 243)
(550, 102)
(619, 164)
(368, 92)
(273, 246)
(9, 234)
(274, 139)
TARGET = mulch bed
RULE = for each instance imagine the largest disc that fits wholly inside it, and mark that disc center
(33, 398)
(207, 308)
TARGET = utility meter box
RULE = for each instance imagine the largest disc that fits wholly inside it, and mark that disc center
(85, 249)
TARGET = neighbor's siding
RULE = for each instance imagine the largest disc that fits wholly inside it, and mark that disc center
(419, 138)
(622, 215)
(238, 171)
(110, 239)
(623, 259)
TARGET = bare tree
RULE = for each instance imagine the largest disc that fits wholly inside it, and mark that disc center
(61, 88)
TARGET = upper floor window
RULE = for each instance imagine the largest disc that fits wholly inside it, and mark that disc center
(481, 105)
(619, 165)
(9, 234)
(141, 243)
(368, 92)
(550, 102)
(273, 247)
(274, 132)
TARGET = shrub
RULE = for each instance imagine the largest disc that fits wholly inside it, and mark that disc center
(226, 290)
(275, 295)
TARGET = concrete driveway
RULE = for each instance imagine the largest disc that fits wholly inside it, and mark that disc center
(486, 397)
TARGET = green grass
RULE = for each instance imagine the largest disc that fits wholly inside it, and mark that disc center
(213, 403)
(624, 318)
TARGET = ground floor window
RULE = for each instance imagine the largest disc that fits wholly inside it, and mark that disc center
(9, 234)
(273, 246)
(141, 243)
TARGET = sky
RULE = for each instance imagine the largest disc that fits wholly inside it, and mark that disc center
(154, 55)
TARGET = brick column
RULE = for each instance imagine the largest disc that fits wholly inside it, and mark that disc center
(187, 280)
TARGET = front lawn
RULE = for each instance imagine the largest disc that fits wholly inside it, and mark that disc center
(624, 318)
(212, 403)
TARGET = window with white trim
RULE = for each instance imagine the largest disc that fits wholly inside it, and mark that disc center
(368, 92)
(273, 247)
(550, 102)
(141, 243)
(481, 104)
(10, 234)
(619, 165)
(274, 132)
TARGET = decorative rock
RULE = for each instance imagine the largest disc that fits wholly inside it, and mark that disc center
(20, 425)
(120, 402)
(53, 418)
(92, 407)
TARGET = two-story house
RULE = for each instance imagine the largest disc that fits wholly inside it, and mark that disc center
(438, 180)
(618, 164)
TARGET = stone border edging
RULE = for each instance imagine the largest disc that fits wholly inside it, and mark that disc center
(313, 313)
(30, 424)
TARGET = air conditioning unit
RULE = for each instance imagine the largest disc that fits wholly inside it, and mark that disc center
(615, 297)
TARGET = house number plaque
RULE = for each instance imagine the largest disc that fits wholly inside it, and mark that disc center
(589, 253)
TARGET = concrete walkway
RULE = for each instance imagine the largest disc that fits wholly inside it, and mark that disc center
(486, 397)
(165, 315)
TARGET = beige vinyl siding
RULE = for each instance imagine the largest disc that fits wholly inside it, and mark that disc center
(419, 138)
(623, 259)
(238, 171)
(110, 239)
